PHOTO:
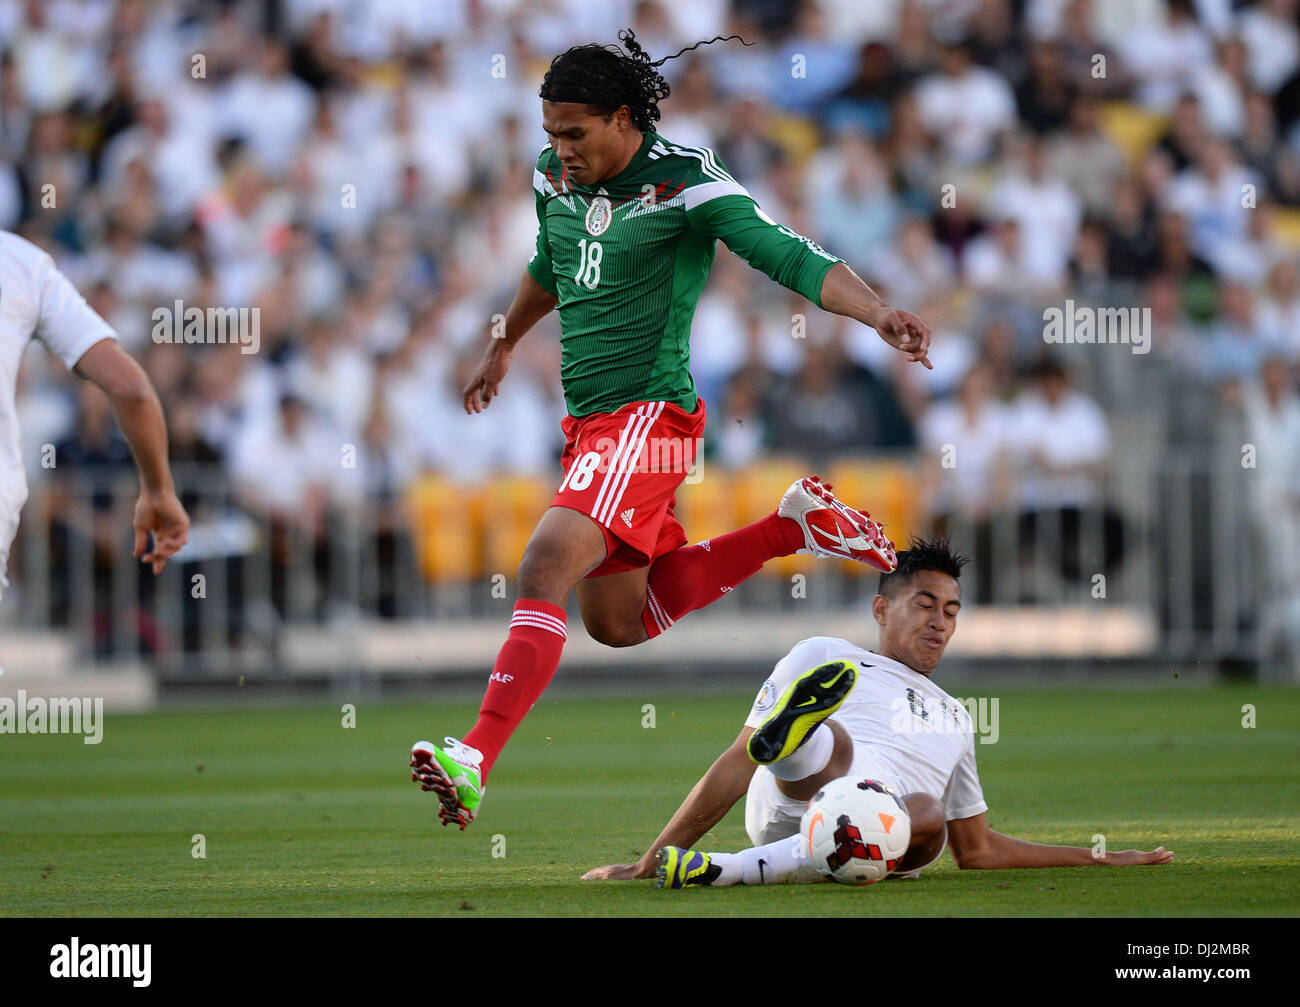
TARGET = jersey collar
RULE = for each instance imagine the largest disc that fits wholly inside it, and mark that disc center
(891, 663)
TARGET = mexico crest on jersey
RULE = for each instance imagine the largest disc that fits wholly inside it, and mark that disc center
(599, 216)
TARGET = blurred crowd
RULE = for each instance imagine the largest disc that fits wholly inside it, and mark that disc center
(360, 172)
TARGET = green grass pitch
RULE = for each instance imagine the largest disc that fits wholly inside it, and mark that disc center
(301, 816)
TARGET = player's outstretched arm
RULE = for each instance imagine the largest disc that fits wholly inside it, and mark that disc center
(707, 804)
(845, 293)
(140, 417)
(532, 301)
(977, 847)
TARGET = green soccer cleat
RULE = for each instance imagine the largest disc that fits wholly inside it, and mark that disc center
(810, 699)
(453, 773)
(680, 868)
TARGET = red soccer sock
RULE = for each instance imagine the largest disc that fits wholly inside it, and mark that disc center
(696, 575)
(524, 668)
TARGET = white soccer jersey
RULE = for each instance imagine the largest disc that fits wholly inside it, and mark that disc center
(899, 720)
(35, 300)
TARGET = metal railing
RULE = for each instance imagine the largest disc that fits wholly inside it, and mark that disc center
(1170, 536)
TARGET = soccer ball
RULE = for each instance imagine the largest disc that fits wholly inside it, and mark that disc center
(857, 830)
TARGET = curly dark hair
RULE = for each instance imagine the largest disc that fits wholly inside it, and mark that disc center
(922, 554)
(605, 78)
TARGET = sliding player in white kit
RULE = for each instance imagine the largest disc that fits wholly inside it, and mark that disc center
(38, 300)
(832, 709)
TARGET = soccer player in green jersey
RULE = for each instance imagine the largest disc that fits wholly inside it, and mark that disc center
(627, 228)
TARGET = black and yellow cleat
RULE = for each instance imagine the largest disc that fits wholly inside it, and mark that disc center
(679, 868)
(809, 699)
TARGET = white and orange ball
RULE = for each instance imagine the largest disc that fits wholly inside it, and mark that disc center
(857, 830)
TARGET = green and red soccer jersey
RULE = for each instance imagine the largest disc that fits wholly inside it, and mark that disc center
(628, 256)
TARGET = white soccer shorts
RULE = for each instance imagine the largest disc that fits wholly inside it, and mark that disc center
(771, 815)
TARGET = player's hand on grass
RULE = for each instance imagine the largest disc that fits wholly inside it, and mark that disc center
(160, 512)
(904, 331)
(483, 386)
(621, 872)
(1129, 858)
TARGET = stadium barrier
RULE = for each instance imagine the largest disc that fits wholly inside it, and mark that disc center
(1161, 565)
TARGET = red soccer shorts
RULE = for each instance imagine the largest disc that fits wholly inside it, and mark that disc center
(622, 470)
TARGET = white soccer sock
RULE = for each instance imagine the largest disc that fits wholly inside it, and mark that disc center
(808, 760)
(783, 862)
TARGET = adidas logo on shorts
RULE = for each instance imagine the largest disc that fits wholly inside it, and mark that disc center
(627, 516)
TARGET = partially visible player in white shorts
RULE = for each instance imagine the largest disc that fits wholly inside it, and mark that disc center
(8, 529)
(883, 729)
(887, 745)
(832, 709)
(38, 302)
(771, 815)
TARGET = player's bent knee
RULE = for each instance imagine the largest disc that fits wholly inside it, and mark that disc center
(615, 635)
(927, 814)
(842, 757)
(550, 568)
(929, 831)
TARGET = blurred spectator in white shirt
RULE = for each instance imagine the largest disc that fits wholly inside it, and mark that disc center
(383, 465)
(1248, 257)
(333, 179)
(180, 161)
(286, 465)
(1278, 310)
(964, 106)
(143, 275)
(1222, 89)
(691, 113)
(998, 263)
(965, 441)
(965, 444)
(1213, 196)
(1271, 409)
(334, 377)
(1269, 31)
(853, 208)
(516, 434)
(52, 69)
(1047, 211)
(719, 328)
(269, 108)
(1238, 343)
(1061, 442)
(912, 267)
(816, 62)
(1166, 55)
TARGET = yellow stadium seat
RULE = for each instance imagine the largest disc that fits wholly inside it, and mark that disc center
(446, 522)
(796, 135)
(707, 508)
(887, 489)
(758, 490)
(512, 506)
(1132, 128)
(1286, 225)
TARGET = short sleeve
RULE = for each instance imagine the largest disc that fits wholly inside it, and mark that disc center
(963, 797)
(68, 325)
(803, 655)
